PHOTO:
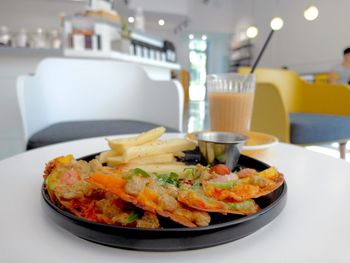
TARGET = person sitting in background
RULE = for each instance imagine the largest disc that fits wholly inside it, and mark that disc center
(341, 73)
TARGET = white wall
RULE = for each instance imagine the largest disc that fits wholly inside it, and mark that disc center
(171, 7)
(11, 132)
(301, 45)
(216, 16)
(31, 14)
(215, 20)
(211, 19)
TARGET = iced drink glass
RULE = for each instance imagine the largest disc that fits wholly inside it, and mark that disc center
(231, 98)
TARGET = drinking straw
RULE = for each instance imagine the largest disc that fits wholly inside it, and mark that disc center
(262, 51)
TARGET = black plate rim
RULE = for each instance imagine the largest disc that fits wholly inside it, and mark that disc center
(178, 229)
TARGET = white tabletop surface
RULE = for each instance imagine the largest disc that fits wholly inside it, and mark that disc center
(313, 227)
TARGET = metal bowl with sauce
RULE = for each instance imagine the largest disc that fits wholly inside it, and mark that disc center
(220, 147)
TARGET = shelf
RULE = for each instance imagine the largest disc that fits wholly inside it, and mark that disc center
(240, 64)
(135, 34)
(26, 51)
(242, 47)
(240, 44)
(241, 59)
(121, 57)
(241, 54)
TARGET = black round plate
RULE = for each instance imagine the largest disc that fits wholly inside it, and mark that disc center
(172, 237)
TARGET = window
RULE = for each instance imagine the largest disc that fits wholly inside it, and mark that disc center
(198, 68)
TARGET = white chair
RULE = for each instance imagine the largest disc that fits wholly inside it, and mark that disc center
(66, 90)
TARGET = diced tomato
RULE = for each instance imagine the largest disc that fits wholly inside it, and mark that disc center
(220, 169)
(91, 214)
(89, 209)
(246, 172)
(70, 177)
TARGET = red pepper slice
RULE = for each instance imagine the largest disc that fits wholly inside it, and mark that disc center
(220, 169)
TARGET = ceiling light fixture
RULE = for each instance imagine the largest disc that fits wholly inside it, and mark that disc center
(252, 32)
(161, 22)
(311, 13)
(276, 23)
(131, 19)
(190, 36)
(204, 37)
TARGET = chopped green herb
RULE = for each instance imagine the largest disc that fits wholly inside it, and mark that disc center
(137, 171)
(189, 173)
(132, 217)
(171, 178)
(221, 158)
(246, 204)
(196, 185)
(53, 180)
(223, 185)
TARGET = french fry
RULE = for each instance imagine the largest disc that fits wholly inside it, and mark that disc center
(163, 168)
(103, 157)
(170, 146)
(152, 159)
(122, 148)
(115, 160)
(155, 159)
(179, 154)
(119, 145)
(144, 149)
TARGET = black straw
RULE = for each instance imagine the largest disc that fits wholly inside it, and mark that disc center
(262, 51)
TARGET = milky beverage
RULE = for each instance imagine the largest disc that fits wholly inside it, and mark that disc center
(230, 111)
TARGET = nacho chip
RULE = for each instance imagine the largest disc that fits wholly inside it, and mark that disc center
(252, 185)
(144, 192)
(197, 199)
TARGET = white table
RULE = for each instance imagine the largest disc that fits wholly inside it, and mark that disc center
(313, 227)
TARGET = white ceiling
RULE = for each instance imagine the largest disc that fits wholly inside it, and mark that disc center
(45, 13)
(213, 15)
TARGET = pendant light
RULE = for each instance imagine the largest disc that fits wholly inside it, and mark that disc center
(276, 23)
(311, 13)
(252, 32)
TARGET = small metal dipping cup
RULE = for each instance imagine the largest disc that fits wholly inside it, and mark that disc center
(220, 147)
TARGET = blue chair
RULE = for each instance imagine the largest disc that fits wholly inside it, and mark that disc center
(299, 112)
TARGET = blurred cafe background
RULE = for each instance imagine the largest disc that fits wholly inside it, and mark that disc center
(186, 40)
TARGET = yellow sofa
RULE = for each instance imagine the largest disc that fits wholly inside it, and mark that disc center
(282, 92)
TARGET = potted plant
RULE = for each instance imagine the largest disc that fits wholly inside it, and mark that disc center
(125, 40)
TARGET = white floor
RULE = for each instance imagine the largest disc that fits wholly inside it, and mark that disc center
(331, 150)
